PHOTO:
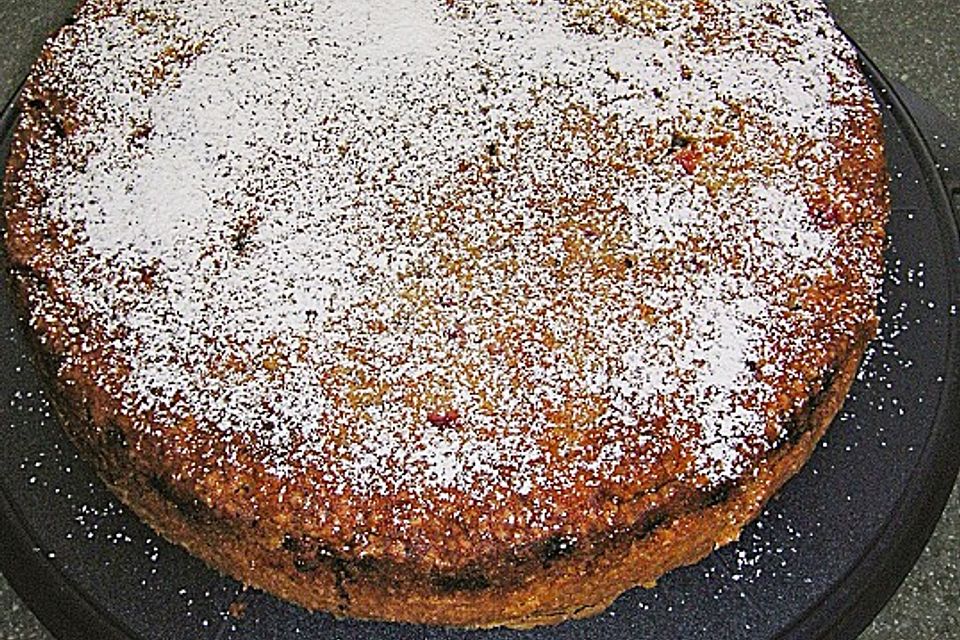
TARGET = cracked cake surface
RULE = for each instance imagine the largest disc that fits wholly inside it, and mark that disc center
(434, 310)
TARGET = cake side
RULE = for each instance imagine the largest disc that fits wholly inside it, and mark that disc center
(609, 482)
(556, 581)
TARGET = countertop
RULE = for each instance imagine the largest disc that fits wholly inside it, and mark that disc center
(914, 41)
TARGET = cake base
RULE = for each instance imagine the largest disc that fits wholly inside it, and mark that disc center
(677, 530)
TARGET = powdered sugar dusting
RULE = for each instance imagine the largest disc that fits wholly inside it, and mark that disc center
(481, 248)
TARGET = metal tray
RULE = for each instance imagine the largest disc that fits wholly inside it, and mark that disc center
(827, 553)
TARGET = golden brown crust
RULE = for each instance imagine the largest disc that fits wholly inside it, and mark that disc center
(678, 530)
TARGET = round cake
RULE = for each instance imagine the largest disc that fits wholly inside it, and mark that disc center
(469, 312)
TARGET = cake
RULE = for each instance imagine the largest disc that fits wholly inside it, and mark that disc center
(457, 312)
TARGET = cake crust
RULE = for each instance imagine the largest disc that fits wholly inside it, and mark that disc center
(516, 555)
(552, 583)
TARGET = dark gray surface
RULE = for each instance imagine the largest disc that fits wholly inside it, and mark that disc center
(916, 41)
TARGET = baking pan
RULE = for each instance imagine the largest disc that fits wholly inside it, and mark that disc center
(827, 553)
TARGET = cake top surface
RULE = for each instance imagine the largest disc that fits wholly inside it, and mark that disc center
(434, 251)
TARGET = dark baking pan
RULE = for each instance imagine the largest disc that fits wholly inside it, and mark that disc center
(825, 556)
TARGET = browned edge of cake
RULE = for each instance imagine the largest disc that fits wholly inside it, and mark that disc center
(679, 529)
